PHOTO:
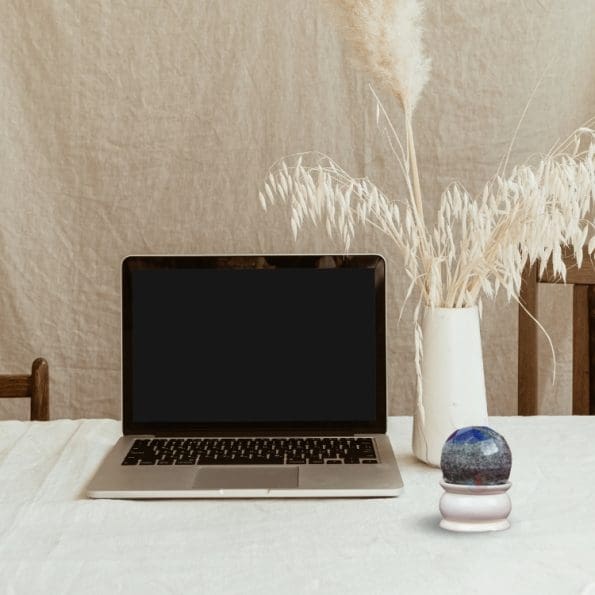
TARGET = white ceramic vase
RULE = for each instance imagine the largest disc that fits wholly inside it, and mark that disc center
(453, 385)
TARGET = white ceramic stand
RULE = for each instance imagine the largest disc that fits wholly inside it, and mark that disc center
(469, 508)
(453, 386)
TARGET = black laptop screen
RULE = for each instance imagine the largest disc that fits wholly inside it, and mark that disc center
(253, 346)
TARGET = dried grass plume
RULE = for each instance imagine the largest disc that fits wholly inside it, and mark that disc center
(386, 37)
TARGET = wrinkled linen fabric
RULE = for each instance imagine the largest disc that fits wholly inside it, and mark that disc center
(54, 540)
(146, 127)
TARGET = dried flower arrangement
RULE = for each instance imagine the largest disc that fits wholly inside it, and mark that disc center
(476, 246)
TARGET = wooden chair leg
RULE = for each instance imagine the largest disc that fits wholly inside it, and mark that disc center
(580, 350)
(527, 354)
(591, 348)
(40, 390)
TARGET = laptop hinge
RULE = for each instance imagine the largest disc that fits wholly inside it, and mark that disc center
(182, 434)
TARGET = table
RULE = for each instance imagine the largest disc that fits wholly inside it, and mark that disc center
(54, 540)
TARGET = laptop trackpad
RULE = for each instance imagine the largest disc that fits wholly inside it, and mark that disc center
(216, 478)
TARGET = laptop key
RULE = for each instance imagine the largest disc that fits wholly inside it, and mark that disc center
(369, 461)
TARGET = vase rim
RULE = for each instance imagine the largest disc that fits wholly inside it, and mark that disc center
(451, 309)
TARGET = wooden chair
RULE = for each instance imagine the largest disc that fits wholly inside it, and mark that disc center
(583, 340)
(36, 387)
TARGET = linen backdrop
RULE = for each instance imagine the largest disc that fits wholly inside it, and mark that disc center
(146, 126)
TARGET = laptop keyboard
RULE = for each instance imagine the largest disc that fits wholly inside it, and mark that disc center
(251, 451)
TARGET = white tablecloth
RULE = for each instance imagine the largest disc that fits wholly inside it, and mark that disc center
(54, 540)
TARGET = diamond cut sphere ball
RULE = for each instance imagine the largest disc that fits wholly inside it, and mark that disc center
(476, 455)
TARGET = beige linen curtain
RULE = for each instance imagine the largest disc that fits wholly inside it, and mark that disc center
(132, 126)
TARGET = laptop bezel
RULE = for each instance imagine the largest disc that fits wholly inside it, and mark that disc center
(136, 262)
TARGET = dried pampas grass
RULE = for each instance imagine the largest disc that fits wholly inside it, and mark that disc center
(386, 39)
(478, 246)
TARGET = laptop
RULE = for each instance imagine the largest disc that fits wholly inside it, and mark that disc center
(252, 376)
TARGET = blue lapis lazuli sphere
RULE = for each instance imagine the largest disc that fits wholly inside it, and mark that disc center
(476, 455)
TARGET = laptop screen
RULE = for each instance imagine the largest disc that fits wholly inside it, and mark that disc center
(275, 342)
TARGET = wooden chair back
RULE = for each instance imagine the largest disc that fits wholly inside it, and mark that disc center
(36, 387)
(583, 339)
